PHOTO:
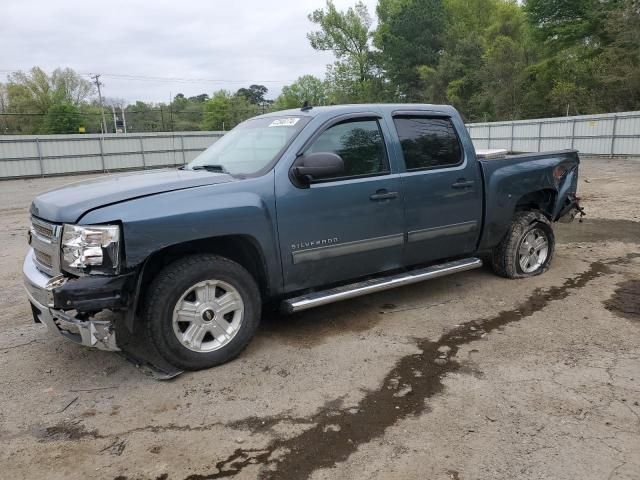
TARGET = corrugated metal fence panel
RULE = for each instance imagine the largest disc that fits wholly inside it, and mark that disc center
(28, 156)
(604, 134)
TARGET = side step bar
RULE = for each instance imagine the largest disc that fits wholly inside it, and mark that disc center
(315, 299)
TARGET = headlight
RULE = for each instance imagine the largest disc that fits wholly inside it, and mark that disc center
(94, 247)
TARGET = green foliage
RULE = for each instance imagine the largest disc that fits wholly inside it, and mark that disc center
(62, 118)
(254, 94)
(225, 110)
(35, 93)
(410, 35)
(565, 23)
(305, 89)
(355, 76)
(346, 34)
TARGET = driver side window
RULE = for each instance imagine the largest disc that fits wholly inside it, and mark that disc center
(359, 143)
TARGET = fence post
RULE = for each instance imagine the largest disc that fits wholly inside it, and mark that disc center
(144, 163)
(39, 157)
(184, 158)
(511, 141)
(613, 135)
(573, 133)
(489, 137)
(539, 135)
(101, 153)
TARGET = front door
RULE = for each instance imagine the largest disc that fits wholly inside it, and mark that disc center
(344, 227)
(442, 189)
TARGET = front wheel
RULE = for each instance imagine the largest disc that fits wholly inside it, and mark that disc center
(527, 248)
(202, 311)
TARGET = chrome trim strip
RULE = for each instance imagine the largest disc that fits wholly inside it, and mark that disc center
(316, 299)
(446, 230)
(336, 250)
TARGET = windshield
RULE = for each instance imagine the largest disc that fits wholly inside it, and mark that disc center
(251, 146)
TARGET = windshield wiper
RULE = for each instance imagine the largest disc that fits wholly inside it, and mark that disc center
(211, 168)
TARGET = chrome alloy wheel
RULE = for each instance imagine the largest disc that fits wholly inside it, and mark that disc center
(533, 251)
(207, 316)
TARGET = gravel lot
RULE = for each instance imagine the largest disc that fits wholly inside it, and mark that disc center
(465, 377)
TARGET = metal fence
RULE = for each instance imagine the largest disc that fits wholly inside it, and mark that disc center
(30, 156)
(33, 156)
(606, 134)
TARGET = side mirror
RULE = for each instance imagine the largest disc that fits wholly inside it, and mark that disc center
(317, 166)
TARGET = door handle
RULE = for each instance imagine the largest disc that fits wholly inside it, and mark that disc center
(463, 183)
(383, 194)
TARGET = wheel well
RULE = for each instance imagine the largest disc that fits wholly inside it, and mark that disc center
(239, 248)
(542, 200)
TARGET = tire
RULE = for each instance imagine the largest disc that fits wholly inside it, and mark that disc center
(507, 258)
(185, 308)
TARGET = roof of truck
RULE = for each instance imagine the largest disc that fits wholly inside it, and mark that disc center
(333, 110)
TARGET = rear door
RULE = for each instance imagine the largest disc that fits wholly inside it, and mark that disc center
(348, 226)
(442, 189)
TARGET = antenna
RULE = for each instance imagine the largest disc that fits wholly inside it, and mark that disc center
(306, 107)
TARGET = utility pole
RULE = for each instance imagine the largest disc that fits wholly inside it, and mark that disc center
(96, 79)
(124, 119)
(115, 122)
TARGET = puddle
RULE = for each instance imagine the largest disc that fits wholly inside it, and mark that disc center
(625, 301)
(338, 431)
(598, 230)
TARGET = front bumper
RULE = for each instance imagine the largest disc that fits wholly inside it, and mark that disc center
(46, 292)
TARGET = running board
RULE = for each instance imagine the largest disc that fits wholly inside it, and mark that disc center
(315, 299)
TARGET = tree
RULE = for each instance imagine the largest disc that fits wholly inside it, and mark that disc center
(34, 93)
(618, 68)
(203, 97)
(409, 36)
(62, 118)
(565, 23)
(305, 89)
(354, 76)
(225, 110)
(254, 94)
(37, 91)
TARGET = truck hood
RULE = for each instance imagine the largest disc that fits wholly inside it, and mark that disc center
(69, 203)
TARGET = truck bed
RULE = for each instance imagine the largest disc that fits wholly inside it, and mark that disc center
(510, 179)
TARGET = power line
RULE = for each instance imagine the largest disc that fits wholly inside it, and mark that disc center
(123, 76)
(188, 80)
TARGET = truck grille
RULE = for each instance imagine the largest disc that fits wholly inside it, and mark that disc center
(45, 231)
(45, 241)
(44, 258)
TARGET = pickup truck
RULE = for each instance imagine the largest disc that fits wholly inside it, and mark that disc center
(296, 208)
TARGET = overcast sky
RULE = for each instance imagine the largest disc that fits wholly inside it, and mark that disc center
(237, 42)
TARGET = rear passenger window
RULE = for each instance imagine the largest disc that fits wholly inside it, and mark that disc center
(428, 142)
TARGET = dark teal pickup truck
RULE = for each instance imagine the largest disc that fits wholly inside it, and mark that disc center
(298, 208)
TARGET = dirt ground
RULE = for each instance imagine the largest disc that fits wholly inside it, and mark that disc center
(465, 377)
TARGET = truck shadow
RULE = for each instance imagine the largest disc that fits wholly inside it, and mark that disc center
(314, 327)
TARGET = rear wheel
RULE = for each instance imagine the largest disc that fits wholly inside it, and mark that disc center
(202, 311)
(527, 248)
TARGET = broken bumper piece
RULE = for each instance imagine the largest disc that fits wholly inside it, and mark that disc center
(79, 328)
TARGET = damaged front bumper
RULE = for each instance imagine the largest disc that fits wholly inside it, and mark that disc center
(55, 299)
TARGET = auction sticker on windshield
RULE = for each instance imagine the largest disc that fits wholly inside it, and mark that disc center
(284, 122)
